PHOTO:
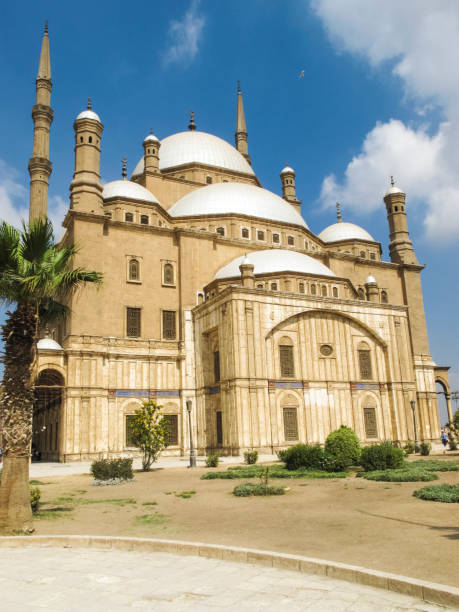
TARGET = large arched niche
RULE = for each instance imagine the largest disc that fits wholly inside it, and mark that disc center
(47, 412)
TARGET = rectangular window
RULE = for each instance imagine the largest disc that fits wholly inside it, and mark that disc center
(172, 424)
(133, 322)
(169, 325)
(371, 428)
(219, 428)
(216, 366)
(260, 235)
(276, 238)
(130, 418)
(290, 424)
(365, 365)
(286, 361)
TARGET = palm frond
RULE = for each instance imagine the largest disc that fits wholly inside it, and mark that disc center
(36, 239)
(9, 241)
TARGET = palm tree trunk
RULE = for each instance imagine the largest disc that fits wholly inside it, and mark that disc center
(19, 335)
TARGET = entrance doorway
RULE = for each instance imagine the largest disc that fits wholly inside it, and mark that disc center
(47, 411)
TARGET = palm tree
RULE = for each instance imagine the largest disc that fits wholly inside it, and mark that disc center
(36, 280)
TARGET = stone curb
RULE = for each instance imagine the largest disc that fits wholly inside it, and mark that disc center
(427, 591)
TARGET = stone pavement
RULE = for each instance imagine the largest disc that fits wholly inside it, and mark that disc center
(90, 580)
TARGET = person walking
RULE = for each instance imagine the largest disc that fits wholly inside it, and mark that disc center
(444, 440)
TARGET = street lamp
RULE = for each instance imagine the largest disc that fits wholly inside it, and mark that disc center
(192, 455)
(413, 408)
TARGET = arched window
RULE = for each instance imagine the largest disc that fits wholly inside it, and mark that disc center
(324, 290)
(245, 232)
(221, 231)
(168, 274)
(276, 238)
(361, 293)
(290, 418)
(290, 240)
(384, 297)
(313, 289)
(373, 256)
(81, 138)
(260, 235)
(369, 418)
(273, 286)
(260, 286)
(365, 368)
(134, 270)
(335, 292)
(301, 287)
(129, 217)
(362, 253)
(90, 139)
(208, 180)
(144, 219)
(287, 366)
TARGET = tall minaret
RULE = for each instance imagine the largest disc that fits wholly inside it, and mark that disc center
(241, 129)
(287, 176)
(400, 247)
(39, 165)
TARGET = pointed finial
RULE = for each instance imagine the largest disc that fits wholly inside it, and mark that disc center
(192, 125)
(124, 168)
(46, 27)
(338, 212)
(151, 131)
(392, 182)
(89, 103)
(239, 87)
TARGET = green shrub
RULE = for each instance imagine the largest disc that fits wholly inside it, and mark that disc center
(400, 475)
(35, 495)
(417, 448)
(433, 465)
(304, 456)
(409, 448)
(251, 457)
(275, 471)
(213, 460)
(382, 456)
(342, 449)
(112, 469)
(442, 493)
(247, 489)
(425, 448)
(281, 454)
(452, 445)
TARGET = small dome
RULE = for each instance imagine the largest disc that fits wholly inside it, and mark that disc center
(276, 260)
(287, 170)
(151, 138)
(344, 231)
(88, 114)
(393, 189)
(236, 198)
(370, 280)
(127, 190)
(49, 344)
(199, 147)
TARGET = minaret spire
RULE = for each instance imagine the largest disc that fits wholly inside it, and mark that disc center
(39, 165)
(338, 212)
(241, 129)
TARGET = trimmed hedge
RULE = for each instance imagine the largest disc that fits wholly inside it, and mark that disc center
(342, 449)
(251, 457)
(400, 476)
(304, 456)
(112, 469)
(382, 456)
(448, 494)
(248, 489)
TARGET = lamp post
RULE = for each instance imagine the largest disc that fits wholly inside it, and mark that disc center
(413, 408)
(192, 455)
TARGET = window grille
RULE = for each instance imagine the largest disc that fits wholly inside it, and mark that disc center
(371, 427)
(168, 274)
(169, 327)
(130, 418)
(172, 426)
(133, 322)
(290, 423)
(144, 219)
(273, 286)
(216, 366)
(365, 365)
(290, 240)
(129, 217)
(372, 255)
(276, 238)
(286, 360)
(219, 428)
(260, 235)
(245, 232)
(134, 270)
(208, 180)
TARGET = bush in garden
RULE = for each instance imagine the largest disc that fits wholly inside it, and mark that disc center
(35, 495)
(304, 456)
(251, 457)
(248, 489)
(149, 431)
(342, 449)
(409, 448)
(112, 469)
(425, 448)
(281, 454)
(382, 456)
(213, 460)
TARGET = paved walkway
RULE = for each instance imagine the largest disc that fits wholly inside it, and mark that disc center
(72, 580)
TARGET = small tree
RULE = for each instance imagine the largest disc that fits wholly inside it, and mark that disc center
(150, 432)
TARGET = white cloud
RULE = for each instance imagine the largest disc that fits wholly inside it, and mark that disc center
(184, 37)
(14, 201)
(419, 39)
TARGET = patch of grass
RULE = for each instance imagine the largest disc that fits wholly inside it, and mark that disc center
(433, 465)
(153, 520)
(185, 494)
(51, 514)
(402, 475)
(38, 482)
(247, 489)
(275, 471)
(445, 493)
(153, 503)
(167, 492)
(70, 498)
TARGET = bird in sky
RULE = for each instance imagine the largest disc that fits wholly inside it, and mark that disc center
(301, 75)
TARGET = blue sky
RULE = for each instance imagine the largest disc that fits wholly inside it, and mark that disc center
(379, 97)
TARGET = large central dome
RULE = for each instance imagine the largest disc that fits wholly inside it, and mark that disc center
(236, 198)
(198, 147)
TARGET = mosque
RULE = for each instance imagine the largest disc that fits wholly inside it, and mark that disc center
(221, 304)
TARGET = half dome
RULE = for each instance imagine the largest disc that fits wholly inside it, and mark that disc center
(127, 190)
(236, 198)
(344, 231)
(275, 261)
(199, 147)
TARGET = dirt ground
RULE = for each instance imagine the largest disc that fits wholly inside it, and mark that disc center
(378, 525)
